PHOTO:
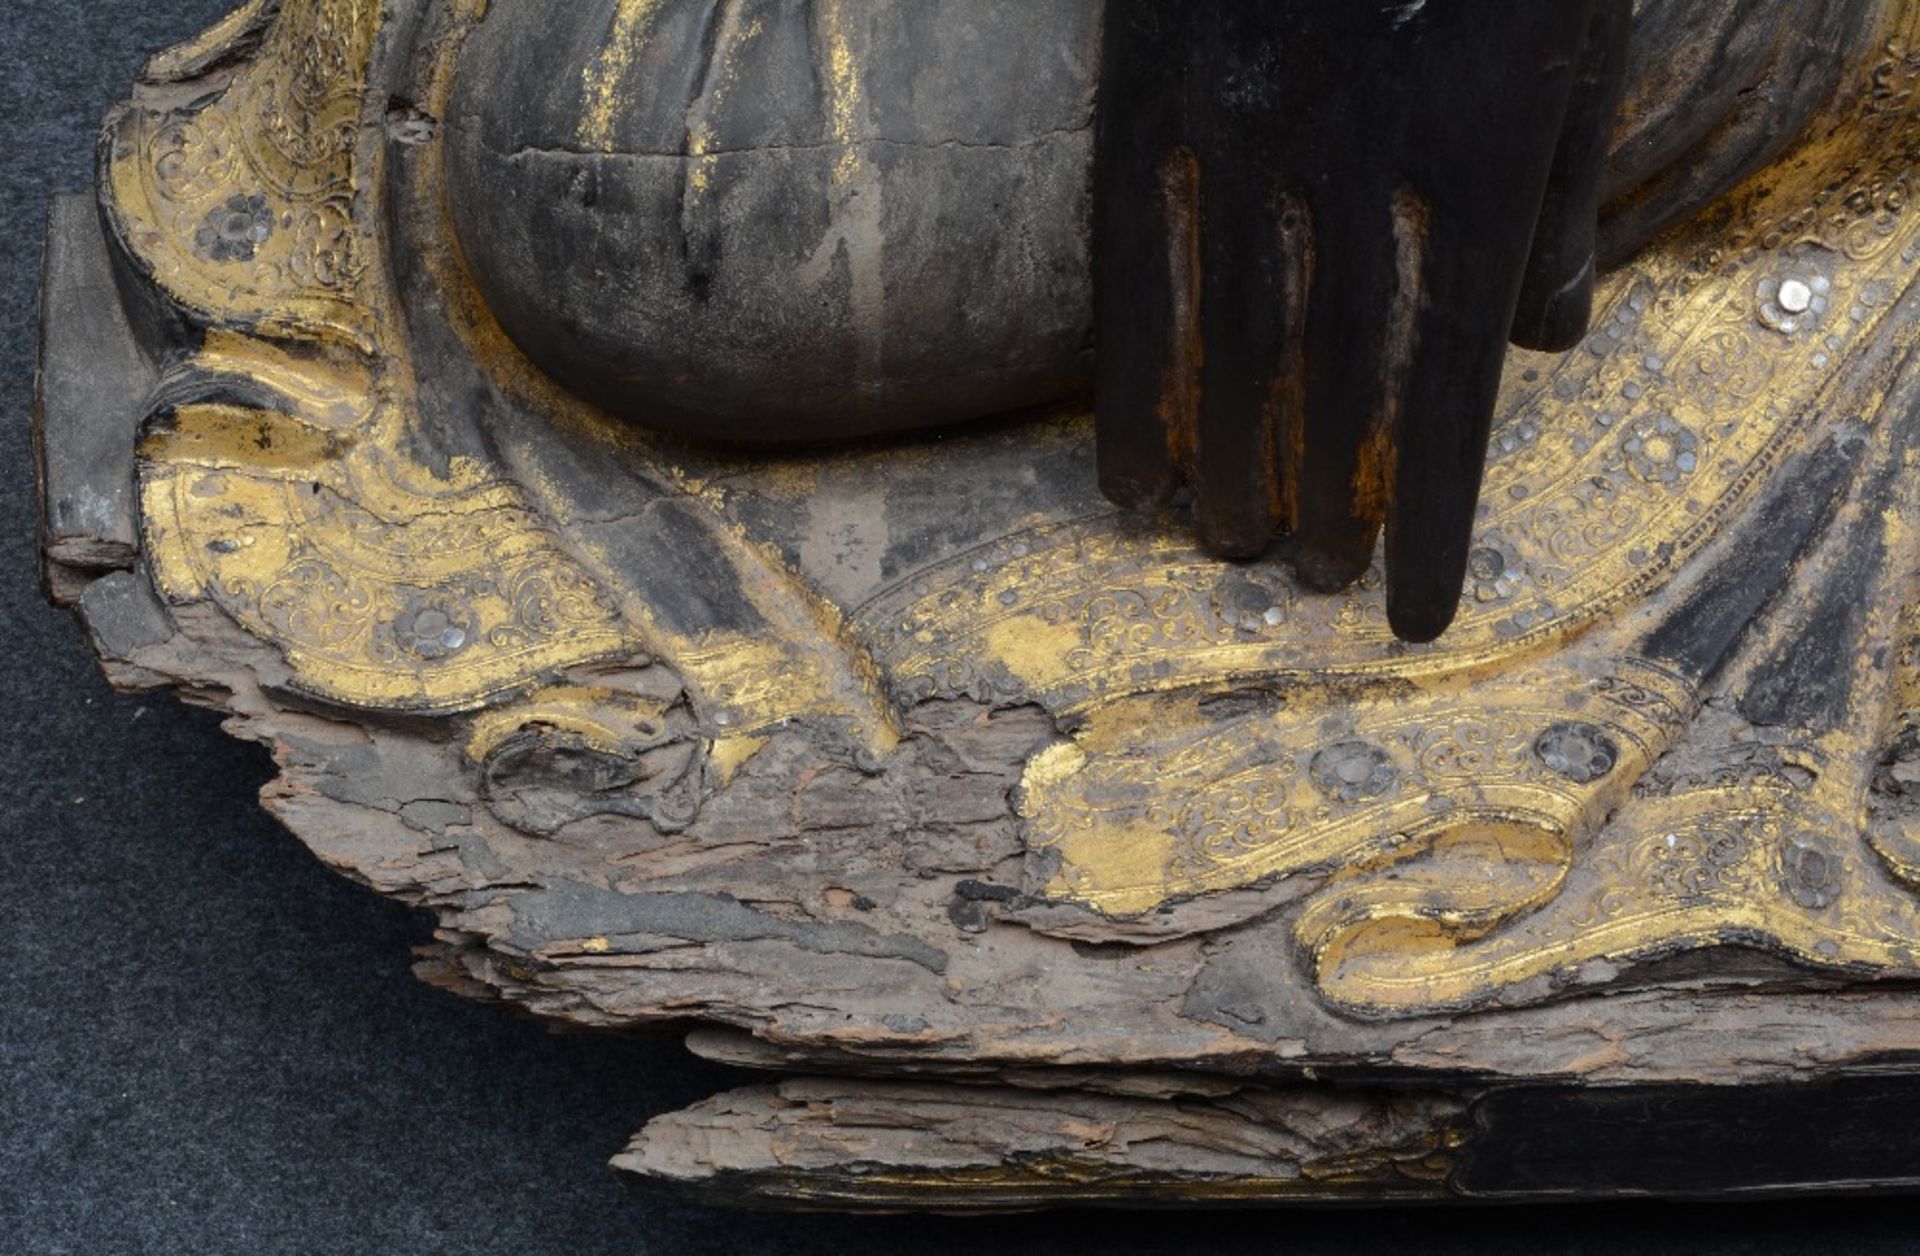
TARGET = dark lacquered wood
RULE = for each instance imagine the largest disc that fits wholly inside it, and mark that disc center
(1313, 219)
(1134, 270)
(1556, 301)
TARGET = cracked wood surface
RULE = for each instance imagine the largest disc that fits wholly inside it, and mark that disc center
(787, 920)
(892, 1145)
(879, 921)
(828, 916)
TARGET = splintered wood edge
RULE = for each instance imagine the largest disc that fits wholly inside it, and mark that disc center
(890, 1146)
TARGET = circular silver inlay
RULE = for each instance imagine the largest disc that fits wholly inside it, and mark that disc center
(1795, 297)
(1578, 751)
(1814, 873)
(1247, 605)
(434, 629)
(1659, 449)
(1350, 771)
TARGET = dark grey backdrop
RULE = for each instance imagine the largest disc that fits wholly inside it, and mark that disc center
(209, 1044)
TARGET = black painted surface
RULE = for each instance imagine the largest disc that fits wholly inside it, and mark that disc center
(1312, 224)
(89, 365)
(1556, 301)
(1694, 1141)
(1718, 89)
(210, 1044)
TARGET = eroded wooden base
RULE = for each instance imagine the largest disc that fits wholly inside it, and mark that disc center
(946, 1024)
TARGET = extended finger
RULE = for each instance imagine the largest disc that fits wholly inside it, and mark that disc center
(1145, 258)
(1556, 301)
(1478, 163)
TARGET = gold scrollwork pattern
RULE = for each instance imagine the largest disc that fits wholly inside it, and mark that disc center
(378, 592)
(386, 583)
(1464, 824)
(1611, 466)
(1446, 808)
(244, 208)
(1130, 822)
(1761, 866)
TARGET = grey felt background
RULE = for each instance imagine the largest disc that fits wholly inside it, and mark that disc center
(209, 1044)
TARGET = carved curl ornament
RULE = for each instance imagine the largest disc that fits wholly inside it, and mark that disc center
(901, 752)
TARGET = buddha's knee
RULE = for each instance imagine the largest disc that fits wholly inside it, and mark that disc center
(770, 220)
(776, 220)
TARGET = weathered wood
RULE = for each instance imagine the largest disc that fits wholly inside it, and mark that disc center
(1138, 1141)
(1058, 861)
(1556, 301)
(1717, 89)
(888, 1146)
(92, 386)
(1323, 352)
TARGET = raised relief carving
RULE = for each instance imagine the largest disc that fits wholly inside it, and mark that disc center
(923, 755)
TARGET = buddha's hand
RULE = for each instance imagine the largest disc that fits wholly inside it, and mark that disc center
(1317, 224)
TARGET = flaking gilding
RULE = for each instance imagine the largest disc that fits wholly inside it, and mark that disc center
(1478, 822)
